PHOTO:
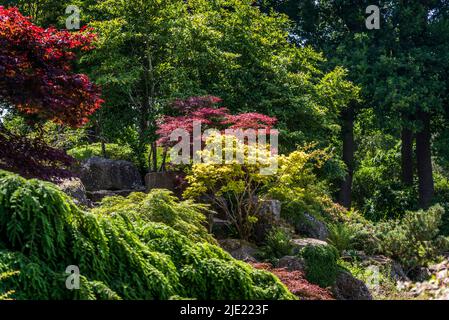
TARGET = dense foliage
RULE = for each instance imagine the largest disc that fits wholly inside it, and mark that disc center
(112, 151)
(234, 187)
(36, 75)
(33, 157)
(42, 232)
(321, 264)
(360, 115)
(36, 80)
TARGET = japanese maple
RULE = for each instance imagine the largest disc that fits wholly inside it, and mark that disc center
(32, 157)
(205, 110)
(38, 82)
(36, 73)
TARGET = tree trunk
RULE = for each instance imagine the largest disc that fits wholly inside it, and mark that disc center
(345, 195)
(424, 162)
(103, 148)
(154, 156)
(407, 156)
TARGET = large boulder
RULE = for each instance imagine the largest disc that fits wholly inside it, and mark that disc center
(239, 249)
(74, 188)
(270, 209)
(377, 261)
(309, 226)
(395, 269)
(268, 215)
(106, 174)
(347, 287)
(299, 244)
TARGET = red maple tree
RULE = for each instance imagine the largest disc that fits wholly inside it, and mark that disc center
(37, 81)
(205, 110)
(36, 73)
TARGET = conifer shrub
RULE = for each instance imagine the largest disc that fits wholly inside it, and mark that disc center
(161, 205)
(4, 293)
(120, 255)
(321, 264)
(413, 240)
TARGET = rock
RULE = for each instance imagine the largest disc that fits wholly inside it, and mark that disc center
(310, 226)
(74, 187)
(347, 287)
(97, 196)
(291, 263)
(268, 215)
(395, 269)
(298, 244)
(439, 266)
(442, 275)
(420, 274)
(105, 174)
(161, 180)
(239, 249)
(270, 208)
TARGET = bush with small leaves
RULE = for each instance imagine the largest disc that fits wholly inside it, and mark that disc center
(321, 264)
(113, 151)
(413, 240)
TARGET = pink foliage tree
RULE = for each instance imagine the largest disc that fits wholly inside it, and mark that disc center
(205, 111)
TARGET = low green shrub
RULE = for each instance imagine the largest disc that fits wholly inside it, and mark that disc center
(413, 240)
(321, 264)
(364, 237)
(120, 255)
(277, 244)
(113, 151)
(442, 197)
(297, 185)
(162, 206)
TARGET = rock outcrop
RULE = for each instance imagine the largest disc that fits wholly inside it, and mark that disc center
(309, 226)
(239, 249)
(347, 287)
(74, 187)
(104, 174)
(299, 244)
(291, 263)
(161, 180)
(436, 287)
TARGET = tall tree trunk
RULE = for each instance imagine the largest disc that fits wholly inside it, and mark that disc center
(345, 195)
(424, 162)
(407, 156)
(154, 156)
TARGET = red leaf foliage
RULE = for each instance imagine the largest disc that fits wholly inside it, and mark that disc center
(32, 158)
(297, 284)
(35, 71)
(204, 110)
